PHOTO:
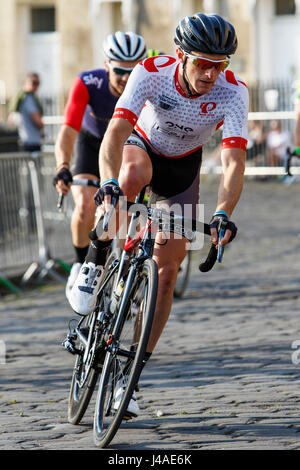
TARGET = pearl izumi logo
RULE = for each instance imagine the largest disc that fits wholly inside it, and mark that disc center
(207, 108)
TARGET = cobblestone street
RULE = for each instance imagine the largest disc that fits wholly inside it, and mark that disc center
(224, 374)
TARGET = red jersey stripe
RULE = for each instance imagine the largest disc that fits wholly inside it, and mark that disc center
(125, 114)
(230, 77)
(78, 98)
(234, 142)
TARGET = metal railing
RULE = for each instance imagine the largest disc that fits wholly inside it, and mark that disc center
(34, 237)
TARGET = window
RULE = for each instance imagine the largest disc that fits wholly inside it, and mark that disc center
(42, 20)
(285, 7)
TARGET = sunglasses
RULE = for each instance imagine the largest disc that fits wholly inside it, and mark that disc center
(121, 71)
(205, 63)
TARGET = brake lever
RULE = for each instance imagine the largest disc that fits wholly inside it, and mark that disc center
(60, 203)
(113, 203)
(221, 231)
(108, 214)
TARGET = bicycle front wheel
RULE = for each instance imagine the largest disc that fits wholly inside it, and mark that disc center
(123, 362)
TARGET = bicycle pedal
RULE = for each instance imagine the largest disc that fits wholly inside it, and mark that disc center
(127, 417)
(69, 346)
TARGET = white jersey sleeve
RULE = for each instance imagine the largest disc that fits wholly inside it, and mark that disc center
(235, 123)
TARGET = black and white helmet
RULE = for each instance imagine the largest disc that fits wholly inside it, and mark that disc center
(125, 47)
(210, 34)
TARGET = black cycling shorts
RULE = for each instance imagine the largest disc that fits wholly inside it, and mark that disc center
(174, 180)
(86, 154)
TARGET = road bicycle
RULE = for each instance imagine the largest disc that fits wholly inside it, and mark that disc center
(110, 342)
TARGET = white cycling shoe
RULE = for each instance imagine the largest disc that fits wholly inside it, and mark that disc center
(72, 278)
(83, 295)
(133, 409)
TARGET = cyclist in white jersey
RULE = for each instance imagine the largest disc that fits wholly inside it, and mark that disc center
(170, 108)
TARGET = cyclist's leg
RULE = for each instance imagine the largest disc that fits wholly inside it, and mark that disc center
(168, 258)
(135, 174)
(136, 171)
(82, 221)
(84, 211)
(170, 255)
(86, 166)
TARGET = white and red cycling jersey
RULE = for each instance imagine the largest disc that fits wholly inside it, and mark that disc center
(174, 125)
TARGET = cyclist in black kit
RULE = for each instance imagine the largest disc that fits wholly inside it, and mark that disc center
(91, 101)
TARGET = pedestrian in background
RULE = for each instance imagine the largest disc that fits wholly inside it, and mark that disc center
(26, 112)
(90, 106)
(278, 140)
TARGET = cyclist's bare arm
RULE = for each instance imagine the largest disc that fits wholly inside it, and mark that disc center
(111, 150)
(231, 184)
(63, 152)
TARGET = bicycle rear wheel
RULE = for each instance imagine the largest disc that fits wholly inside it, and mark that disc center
(124, 360)
(89, 361)
(183, 276)
(84, 378)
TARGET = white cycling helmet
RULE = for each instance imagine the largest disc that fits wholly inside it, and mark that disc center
(125, 47)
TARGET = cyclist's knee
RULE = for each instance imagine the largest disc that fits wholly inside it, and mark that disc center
(133, 179)
(85, 207)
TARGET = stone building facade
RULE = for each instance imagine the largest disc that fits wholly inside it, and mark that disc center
(60, 38)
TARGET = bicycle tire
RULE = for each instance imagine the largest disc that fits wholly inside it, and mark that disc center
(81, 393)
(183, 276)
(78, 403)
(113, 368)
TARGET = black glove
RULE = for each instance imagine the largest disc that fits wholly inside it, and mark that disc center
(64, 175)
(215, 222)
(108, 189)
